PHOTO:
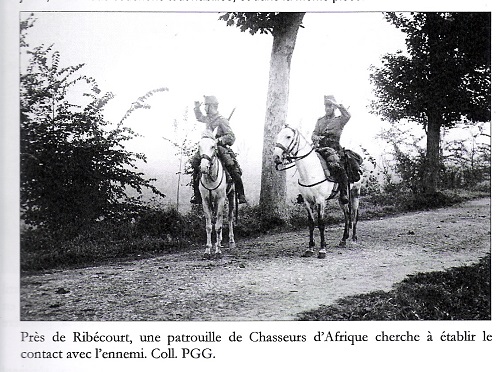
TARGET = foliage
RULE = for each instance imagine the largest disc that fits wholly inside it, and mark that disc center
(446, 69)
(24, 25)
(158, 231)
(408, 159)
(141, 103)
(75, 169)
(153, 230)
(185, 146)
(259, 22)
(371, 184)
(467, 161)
(443, 78)
(460, 293)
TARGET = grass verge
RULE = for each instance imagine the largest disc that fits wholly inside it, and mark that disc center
(459, 293)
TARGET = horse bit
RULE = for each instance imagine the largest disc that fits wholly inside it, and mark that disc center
(290, 152)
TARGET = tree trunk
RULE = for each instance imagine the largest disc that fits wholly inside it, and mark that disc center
(273, 183)
(433, 161)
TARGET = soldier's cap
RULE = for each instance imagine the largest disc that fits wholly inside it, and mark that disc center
(330, 99)
(211, 100)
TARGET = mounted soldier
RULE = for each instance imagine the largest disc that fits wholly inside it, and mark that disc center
(326, 138)
(225, 138)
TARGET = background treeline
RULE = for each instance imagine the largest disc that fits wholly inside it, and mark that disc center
(82, 192)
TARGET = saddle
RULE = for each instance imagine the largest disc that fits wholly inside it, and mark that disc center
(351, 161)
(326, 170)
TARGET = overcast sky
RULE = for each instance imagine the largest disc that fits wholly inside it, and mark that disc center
(194, 54)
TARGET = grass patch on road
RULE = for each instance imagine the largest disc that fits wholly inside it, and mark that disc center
(459, 293)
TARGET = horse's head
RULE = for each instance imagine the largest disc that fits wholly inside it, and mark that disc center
(286, 141)
(207, 148)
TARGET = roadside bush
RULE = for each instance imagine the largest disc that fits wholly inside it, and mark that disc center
(158, 223)
(430, 201)
(248, 223)
(152, 231)
(156, 230)
(459, 293)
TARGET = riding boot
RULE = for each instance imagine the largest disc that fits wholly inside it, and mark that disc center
(341, 177)
(196, 199)
(238, 184)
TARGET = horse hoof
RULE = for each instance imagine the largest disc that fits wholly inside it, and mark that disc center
(308, 253)
(218, 256)
(342, 244)
(321, 254)
(232, 245)
(206, 256)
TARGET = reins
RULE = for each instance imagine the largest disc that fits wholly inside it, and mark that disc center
(311, 185)
(217, 175)
(211, 162)
(287, 151)
(292, 159)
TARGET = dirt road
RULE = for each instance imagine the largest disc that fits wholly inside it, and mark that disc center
(264, 278)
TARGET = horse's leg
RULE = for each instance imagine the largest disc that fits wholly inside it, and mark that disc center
(310, 218)
(208, 227)
(321, 227)
(355, 212)
(231, 197)
(219, 218)
(345, 210)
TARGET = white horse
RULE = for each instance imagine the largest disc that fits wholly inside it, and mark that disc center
(293, 149)
(215, 191)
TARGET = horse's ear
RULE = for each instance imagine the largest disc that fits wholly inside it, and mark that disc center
(215, 131)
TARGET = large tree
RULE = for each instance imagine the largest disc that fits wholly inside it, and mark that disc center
(284, 28)
(444, 77)
(74, 165)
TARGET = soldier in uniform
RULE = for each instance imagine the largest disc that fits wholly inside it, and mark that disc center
(326, 136)
(225, 138)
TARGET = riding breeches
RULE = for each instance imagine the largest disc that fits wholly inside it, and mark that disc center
(227, 158)
(331, 156)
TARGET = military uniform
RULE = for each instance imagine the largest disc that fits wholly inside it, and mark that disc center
(326, 136)
(328, 130)
(225, 137)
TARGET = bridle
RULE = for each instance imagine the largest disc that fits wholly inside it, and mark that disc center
(290, 152)
(290, 155)
(211, 164)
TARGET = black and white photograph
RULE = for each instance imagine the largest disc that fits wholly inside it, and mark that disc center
(188, 187)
